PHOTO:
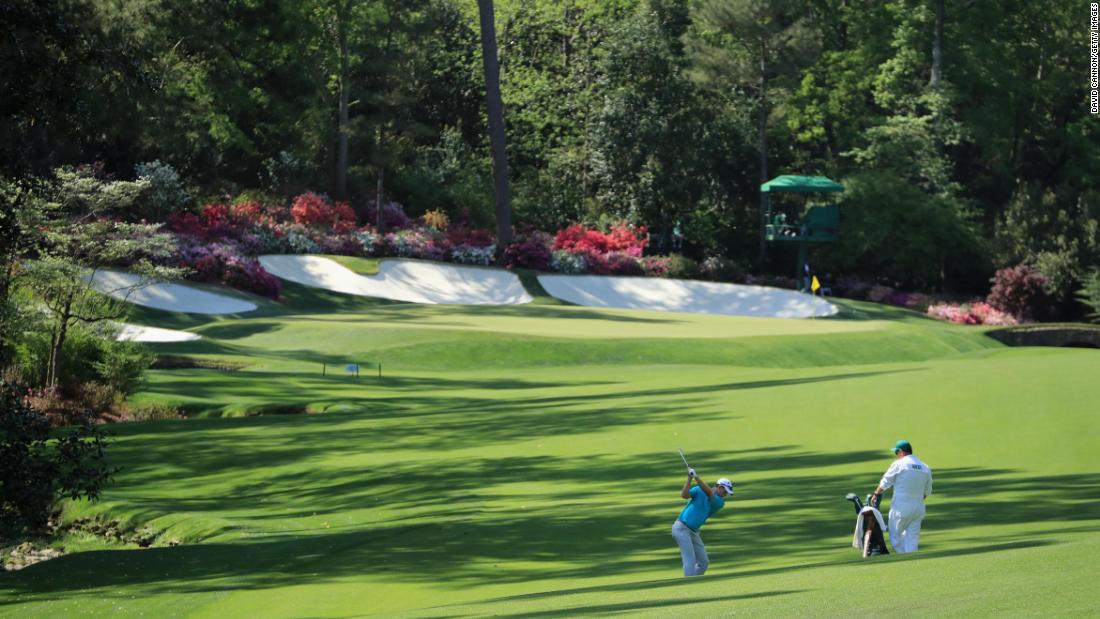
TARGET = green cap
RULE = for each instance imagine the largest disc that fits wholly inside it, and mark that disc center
(903, 444)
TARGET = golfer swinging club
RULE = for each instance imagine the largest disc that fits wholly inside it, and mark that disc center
(703, 502)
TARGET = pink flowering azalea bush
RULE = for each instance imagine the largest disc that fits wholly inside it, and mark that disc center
(225, 263)
(975, 313)
(655, 266)
(989, 315)
(623, 263)
(422, 242)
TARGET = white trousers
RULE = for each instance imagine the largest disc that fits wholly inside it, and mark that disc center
(692, 551)
(905, 519)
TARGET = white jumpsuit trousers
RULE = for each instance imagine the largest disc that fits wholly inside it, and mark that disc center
(905, 519)
(911, 480)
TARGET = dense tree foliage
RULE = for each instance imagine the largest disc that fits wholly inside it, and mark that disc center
(961, 129)
(37, 469)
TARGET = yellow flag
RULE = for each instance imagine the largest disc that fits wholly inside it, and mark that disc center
(815, 285)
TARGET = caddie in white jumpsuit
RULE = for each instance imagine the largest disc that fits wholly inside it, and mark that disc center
(911, 480)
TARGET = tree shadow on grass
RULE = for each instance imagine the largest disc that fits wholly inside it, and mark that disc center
(463, 537)
(866, 310)
(626, 607)
(464, 533)
(282, 388)
(238, 329)
(966, 497)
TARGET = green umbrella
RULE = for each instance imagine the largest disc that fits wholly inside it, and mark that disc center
(801, 184)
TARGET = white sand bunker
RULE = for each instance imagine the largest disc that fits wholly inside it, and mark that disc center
(677, 295)
(404, 280)
(166, 296)
(141, 333)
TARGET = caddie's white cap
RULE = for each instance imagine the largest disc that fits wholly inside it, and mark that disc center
(725, 483)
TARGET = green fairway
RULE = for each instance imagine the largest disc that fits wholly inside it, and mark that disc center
(522, 461)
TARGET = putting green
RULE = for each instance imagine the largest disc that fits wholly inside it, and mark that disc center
(501, 466)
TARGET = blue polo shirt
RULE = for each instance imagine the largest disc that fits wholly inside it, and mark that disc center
(699, 508)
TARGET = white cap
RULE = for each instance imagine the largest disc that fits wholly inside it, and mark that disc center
(725, 483)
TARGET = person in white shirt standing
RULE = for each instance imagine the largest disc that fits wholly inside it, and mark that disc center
(911, 480)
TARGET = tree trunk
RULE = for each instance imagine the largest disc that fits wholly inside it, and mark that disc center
(762, 144)
(342, 122)
(378, 200)
(496, 125)
(58, 342)
(937, 48)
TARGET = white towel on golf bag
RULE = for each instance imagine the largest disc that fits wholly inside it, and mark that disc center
(857, 538)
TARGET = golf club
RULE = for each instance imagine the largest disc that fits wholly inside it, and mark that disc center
(681, 450)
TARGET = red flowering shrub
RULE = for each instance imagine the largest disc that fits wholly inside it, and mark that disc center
(310, 209)
(1020, 291)
(472, 237)
(628, 239)
(578, 239)
(249, 212)
(343, 217)
(216, 222)
(622, 238)
(531, 251)
(215, 215)
(186, 223)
